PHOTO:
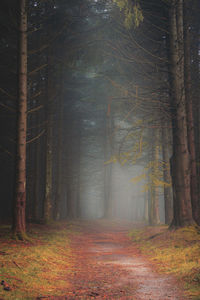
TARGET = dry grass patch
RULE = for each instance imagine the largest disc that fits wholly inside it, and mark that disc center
(175, 252)
(39, 268)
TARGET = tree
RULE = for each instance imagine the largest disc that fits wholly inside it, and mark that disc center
(59, 150)
(108, 209)
(49, 145)
(154, 217)
(190, 118)
(180, 162)
(166, 174)
(19, 220)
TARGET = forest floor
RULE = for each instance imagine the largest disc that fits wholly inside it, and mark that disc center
(100, 260)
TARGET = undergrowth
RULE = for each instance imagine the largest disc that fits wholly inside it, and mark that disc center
(37, 268)
(175, 252)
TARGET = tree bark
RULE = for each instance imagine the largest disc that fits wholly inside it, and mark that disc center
(73, 167)
(146, 208)
(57, 213)
(166, 175)
(108, 209)
(190, 120)
(196, 83)
(154, 205)
(19, 221)
(37, 174)
(49, 136)
(180, 161)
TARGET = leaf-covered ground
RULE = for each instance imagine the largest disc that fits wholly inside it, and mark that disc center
(36, 268)
(85, 260)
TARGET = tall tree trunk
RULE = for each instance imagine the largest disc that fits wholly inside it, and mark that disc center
(48, 188)
(37, 178)
(78, 160)
(166, 175)
(73, 160)
(180, 161)
(108, 209)
(190, 119)
(59, 151)
(146, 207)
(19, 221)
(49, 136)
(196, 83)
(154, 205)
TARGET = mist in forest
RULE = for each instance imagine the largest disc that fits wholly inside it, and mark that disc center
(99, 113)
(87, 136)
(99, 149)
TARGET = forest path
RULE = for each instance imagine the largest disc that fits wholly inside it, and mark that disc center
(109, 266)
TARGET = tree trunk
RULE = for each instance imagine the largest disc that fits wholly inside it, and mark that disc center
(180, 161)
(196, 84)
(19, 221)
(49, 133)
(154, 205)
(59, 160)
(48, 188)
(166, 175)
(37, 178)
(73, 167)
(146, 208)
(78, 160)
(108, 209)
(190, 120)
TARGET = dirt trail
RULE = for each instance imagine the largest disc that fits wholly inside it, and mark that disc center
(109, 266)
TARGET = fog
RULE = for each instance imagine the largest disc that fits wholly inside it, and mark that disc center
(94, 112)
(111, 124)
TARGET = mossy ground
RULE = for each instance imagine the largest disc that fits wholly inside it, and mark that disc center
(174, 252)
(37, 268)
(47, 266)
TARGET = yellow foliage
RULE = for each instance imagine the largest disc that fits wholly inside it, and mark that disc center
(132, 12)
(113, 159)
(138, 178)
(137, 14)
(158, 182)
(145, 188)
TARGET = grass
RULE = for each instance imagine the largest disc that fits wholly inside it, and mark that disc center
(39, 268)
(174, 252)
